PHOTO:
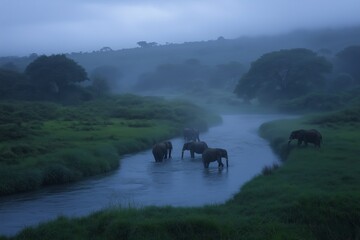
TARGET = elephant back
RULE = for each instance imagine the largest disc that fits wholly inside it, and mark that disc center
(191, 134)
(297, 134)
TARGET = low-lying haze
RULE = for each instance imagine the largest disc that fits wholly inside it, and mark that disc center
(62, 26)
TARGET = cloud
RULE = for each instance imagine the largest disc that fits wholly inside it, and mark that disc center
(83, 25)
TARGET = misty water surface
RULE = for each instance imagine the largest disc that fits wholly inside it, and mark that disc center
(141, 182)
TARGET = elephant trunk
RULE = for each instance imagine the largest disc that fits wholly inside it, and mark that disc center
(182, 154)
(227, 162)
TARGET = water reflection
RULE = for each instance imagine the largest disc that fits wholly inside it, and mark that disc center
(141, 182)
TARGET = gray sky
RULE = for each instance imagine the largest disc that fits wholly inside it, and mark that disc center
(62, 26)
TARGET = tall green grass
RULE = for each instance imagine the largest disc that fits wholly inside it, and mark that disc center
(44, 143)
(314, 194)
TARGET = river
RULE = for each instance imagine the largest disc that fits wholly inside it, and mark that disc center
(141, 182)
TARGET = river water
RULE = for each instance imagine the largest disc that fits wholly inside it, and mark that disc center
(141, 182)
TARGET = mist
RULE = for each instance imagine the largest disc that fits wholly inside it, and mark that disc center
(53, 27)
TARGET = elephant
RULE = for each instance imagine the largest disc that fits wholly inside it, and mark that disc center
(191, 134)
(161, 150)
(194, 147)
(306, 136)
(214, 154)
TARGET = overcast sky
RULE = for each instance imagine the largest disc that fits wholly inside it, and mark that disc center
(62, 26)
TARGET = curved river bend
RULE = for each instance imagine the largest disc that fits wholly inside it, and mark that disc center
(141, 182)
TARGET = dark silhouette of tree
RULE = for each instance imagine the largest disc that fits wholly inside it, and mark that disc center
(145, 44)
(348, 61)
(106, 49)
(55, 73)
(9, 66)
(283, 74)
(100, 87)
(14, 85)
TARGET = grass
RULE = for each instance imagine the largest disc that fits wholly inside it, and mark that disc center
(314, 194)
(44, 143)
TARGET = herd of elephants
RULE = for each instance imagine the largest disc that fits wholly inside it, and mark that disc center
(193, 144)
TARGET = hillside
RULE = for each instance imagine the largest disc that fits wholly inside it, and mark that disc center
(127, 65)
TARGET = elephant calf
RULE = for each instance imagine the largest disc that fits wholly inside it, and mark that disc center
(306, 136)
(214, 154)
(161, 151)
(194, 147)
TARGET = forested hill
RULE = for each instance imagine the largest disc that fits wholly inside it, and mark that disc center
(127, 65)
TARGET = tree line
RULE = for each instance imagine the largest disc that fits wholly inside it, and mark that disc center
(47, 78)
(290, 78)
(302, 76)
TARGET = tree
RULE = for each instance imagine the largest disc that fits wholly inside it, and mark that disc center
(106, 49)
(145, 44)
(348, 61)
(12, 84)
(283, 74)
(55, 73)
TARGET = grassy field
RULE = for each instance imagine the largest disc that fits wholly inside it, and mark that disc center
(44, 143)
(314, 194)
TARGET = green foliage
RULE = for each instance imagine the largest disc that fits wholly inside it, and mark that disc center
(283, 74)
(13, 85)
(52, 75)
(53, 144)
(15, 180)
(313, 102)
(343, 117)
(312, 195)
(347, 60)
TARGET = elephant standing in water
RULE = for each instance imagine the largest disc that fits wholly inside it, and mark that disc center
(191, 134)
(214, 154)
(306, 136)
(194, 147)
(161, 151)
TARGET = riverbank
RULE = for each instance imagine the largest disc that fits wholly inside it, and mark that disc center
(46, 144)
(313, 195)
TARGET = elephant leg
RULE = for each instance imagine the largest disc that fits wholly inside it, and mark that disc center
(220, 163)
(192, 154)
(206, 165)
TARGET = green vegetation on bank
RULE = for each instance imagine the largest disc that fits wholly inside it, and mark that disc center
(313, 195)
(46, 143)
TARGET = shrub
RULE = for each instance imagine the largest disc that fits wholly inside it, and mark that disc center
(313, 102)
(12, 131)
(14, 180)
(58, 174)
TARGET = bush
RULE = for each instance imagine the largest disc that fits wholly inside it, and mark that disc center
(58, 174)
(313, 102)
(15, 180)
(350, 115)
(12, 131)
